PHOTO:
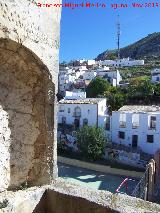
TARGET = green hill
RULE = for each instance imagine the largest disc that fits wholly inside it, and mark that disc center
(146, 48)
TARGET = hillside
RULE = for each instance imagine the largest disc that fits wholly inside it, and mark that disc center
(146, 48)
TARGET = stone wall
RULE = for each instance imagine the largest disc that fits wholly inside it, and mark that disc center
(29, 43)
(66, 197)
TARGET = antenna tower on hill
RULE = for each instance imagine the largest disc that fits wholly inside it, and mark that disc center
(118, 36)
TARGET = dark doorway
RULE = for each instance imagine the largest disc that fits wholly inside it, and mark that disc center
(76, 123)
(134, 140)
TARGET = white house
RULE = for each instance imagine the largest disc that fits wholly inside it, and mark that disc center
(65, 81)
(87, 111)
(68, 76)
(113, 76)
(80, 68)
(124, 62)
(87, 62)
(75, 95)
(102, 69)
(137, 127)
(91, 62)
(155, 75)
(89, 75)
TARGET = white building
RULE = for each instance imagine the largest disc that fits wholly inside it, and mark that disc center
(87, 62)
(124, 62)
(102, 69)
(65, 81)
(137, 127)
(80, 68)
(91, 62)
(75, 95)
(68, 76)
(155, 75)
(89, 75)
(113, 76)
(90, 111)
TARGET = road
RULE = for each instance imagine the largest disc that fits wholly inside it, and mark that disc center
(96, 180)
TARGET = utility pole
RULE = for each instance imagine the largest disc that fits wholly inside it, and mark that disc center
(118, 36)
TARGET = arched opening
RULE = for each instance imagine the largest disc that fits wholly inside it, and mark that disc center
(77, 111)
(26, 116)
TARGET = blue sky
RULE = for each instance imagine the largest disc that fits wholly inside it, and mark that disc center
(86, 32)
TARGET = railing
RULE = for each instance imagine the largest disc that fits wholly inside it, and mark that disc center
(77, 114)
(125, 183)
(122, 124)
(152, 127)
(107, 126)
(140, 190)
(135, 125)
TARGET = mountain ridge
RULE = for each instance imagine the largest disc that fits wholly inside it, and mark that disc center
(145, 48)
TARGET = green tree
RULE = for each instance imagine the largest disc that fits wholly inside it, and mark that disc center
(97, 87)
(115, 98)
(140, 89)
(91, 142)
(157, 90)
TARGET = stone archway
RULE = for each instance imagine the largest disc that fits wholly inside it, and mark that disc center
(26, 117)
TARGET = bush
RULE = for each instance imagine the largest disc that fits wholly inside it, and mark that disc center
(91, 142)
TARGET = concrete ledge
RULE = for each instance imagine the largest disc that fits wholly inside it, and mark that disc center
(99, 168)
(63, 195)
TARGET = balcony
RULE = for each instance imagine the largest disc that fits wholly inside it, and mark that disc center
(152, 128)
(135, 125)
(152, 125)
(76, 114)
(108, 126)
(122, 124)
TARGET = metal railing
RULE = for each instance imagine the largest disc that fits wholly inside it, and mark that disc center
(140, 190)
(122, 124)
(76, 114)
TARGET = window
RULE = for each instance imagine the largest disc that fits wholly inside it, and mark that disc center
(69, 110)
(61, 108)
(121, 135)
(63, 120)
(152, 122)
(122, 120)
(135, 120)
(85, 121)
(150, 139)
(107, 123)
